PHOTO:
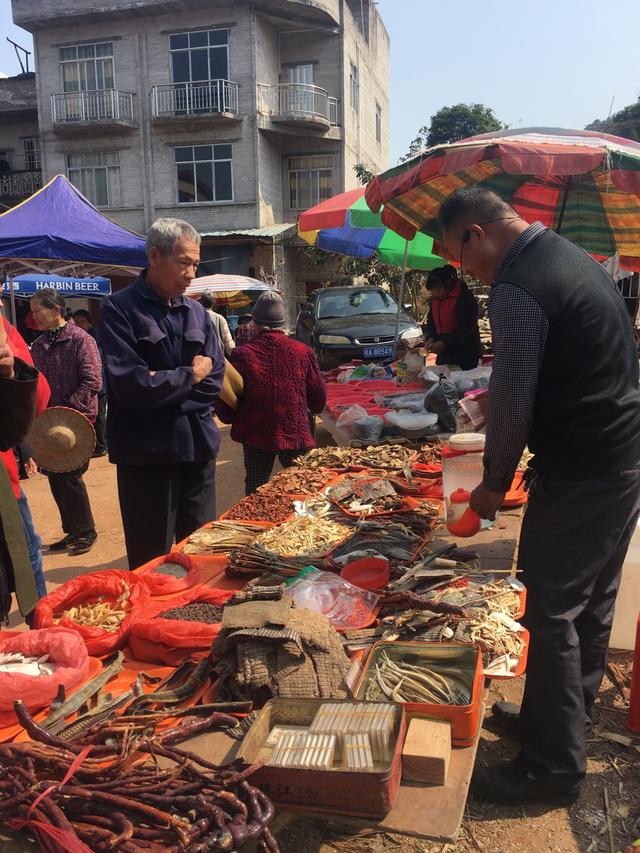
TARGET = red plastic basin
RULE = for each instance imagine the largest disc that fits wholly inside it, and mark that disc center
(370, 573)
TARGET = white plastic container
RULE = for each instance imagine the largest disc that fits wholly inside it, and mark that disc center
(464, 470)
(623, 632)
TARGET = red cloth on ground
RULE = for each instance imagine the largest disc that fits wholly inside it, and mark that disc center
(443, 311)
(20, 349)
(282, 383)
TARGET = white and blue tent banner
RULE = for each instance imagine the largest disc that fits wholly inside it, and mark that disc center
(28, 285)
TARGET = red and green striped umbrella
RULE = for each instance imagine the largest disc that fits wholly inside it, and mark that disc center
(583, 185)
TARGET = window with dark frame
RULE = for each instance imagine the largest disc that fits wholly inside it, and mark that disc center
(310, 180)
(354, 86)
(87, 67)
(204, 173)
(31, 146)
(97, 176)
(199, 56)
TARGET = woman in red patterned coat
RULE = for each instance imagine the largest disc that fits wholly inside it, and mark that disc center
(282, 384)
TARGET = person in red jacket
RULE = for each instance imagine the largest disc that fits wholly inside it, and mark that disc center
(20, 350)
(282, 384)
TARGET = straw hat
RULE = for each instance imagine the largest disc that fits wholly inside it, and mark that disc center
(61, 439)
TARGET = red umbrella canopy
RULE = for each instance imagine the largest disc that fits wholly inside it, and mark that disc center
(584, 185)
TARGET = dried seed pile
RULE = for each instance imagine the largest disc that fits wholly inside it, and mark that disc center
(296, 481)
(258, 507)
(100, 614)
(307, 535)
(197, 611)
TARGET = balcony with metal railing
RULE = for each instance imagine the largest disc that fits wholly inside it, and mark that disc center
(298, 104)
(185, 100)
(110, 107)
(16, 185)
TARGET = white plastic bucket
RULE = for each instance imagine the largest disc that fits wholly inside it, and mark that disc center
(464, 471)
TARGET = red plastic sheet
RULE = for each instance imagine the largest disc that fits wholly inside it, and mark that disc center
(160, 584)
(65, 648)
(88, 589)
(172, 641)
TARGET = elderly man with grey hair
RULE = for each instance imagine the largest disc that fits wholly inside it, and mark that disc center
(164, 371)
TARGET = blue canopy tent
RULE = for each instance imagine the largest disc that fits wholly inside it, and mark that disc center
(58, 231)
(26, 286)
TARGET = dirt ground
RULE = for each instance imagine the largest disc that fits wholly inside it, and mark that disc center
(495, 829)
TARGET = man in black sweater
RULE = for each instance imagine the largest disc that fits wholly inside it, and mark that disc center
(565, 382)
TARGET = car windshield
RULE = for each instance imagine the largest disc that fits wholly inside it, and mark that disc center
(354, 304)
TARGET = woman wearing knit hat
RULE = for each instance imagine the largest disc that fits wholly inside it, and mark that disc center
(282, 384)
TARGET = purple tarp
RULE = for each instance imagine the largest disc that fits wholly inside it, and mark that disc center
(59, 223)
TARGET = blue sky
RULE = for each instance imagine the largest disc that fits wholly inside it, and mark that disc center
(552, 63)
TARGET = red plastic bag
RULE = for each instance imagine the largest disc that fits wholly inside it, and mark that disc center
(171, 641)
(65, 648)
(160, 584)
(86, 589)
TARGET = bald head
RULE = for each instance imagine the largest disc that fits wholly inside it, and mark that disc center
(478, 226)
(472, 204)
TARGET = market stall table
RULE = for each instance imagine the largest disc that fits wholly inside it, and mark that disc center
(423, 811)
(420, 810)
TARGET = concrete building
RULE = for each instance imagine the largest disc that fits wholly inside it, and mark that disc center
(20, 173)
(234, 116)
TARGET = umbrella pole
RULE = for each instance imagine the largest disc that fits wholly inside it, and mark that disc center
(400, 296)
(12, 297)
(567, 190)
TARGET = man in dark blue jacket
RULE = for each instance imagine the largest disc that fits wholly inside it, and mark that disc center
(165, 369)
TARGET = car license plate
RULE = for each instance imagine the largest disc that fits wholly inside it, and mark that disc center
(378, 352)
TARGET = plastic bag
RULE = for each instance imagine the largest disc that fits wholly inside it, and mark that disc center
(369, 428)
(350, 416)
(412, 420)
(161, 584)
(172, 641)
(88, 589)
(442, 399)
(413, 402)
(65, 648)
(428, 378)
(346, 606)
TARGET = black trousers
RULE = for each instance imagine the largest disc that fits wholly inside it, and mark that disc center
(70, 494)
(258, 465)
(573, 544)
(161, 502)
(100, 425)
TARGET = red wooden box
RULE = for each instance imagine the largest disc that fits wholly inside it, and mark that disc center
(368, 795)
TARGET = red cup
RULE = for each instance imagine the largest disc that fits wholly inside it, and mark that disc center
(369, 573)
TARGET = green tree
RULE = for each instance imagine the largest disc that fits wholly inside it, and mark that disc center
(450, 124)
(626, 123)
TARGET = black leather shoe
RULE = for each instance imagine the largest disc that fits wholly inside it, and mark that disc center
(83, 543)
(97, 454)
(62, 544)
(506, 718)
(512, 784)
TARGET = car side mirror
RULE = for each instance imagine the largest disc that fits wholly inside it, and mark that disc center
(407, 306)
